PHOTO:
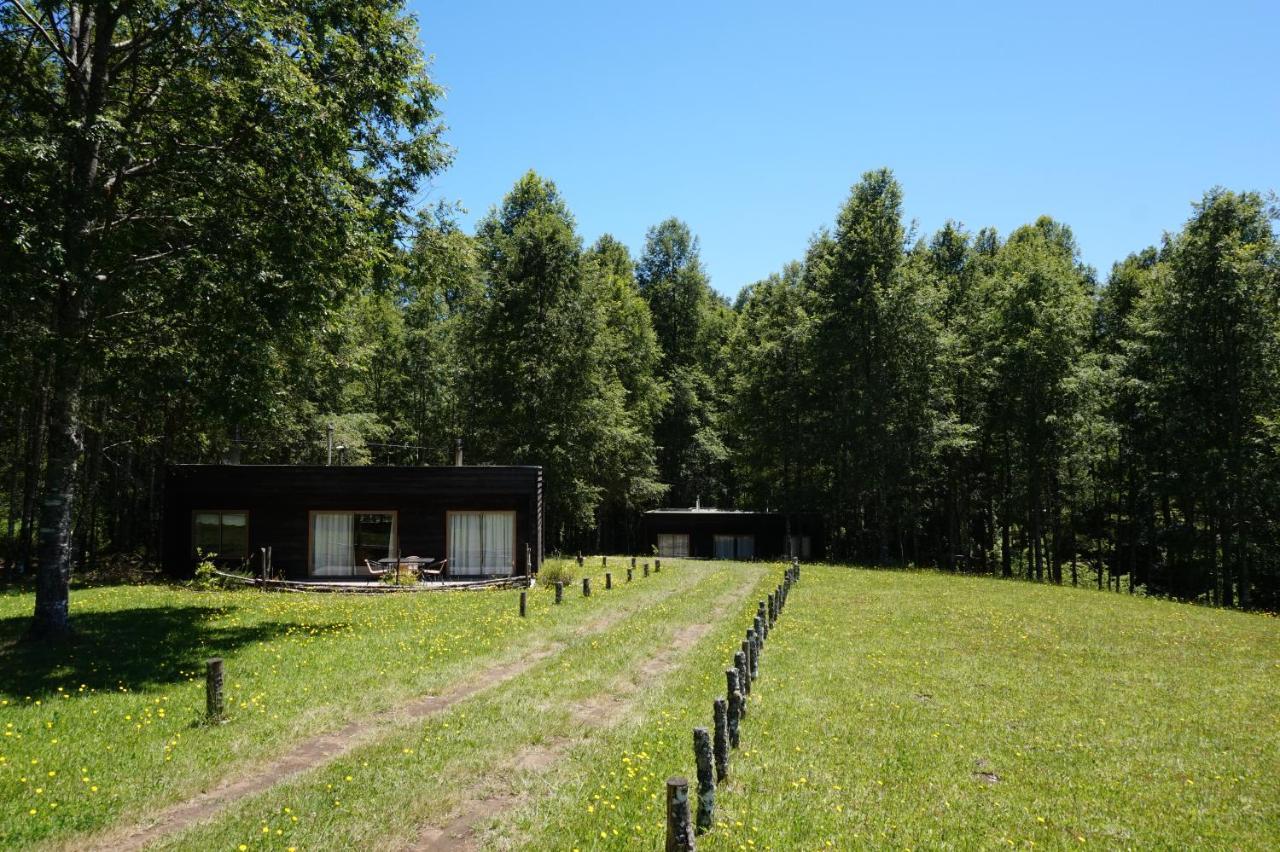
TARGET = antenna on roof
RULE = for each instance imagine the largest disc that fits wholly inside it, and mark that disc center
(697, 502)
(457, 452)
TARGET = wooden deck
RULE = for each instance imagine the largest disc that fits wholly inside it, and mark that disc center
(375, 587)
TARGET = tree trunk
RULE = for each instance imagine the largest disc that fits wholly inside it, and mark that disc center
(32, 470)
(1006, 551)
(57, 509)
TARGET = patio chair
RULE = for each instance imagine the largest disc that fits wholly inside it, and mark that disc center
(376, 570)
(438, 570)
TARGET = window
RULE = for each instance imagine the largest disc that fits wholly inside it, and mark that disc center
(482, 543)
(735, 546)
(342, 541)
(221, 534)
(801, 546)
(673, 544)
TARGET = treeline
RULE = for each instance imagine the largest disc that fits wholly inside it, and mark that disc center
(243, 289)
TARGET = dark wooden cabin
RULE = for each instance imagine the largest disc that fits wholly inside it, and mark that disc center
(324, 522)
(732, 534)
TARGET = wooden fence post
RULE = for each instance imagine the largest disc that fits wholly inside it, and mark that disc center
(608, 581)
(744, 673)
(720, 714)
(633, 562)
(702, 757)
(559, 591)
(646, 569)
(749, 646)
(213, 702)
(736, 709)
(579, 561)
(586, 587)
(524, 604)
(657, 565)
(679, 832)
(628, 575)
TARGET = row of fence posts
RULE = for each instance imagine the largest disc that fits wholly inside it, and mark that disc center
(215, 706)
(711, 750)
(586, 581)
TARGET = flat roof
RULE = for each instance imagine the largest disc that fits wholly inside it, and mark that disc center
(703, 510)
(350, 467)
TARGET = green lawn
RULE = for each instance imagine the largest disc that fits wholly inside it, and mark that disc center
(894, 709)
(106, 729)
(913, 710)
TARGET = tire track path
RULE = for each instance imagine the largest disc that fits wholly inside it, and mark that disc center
(316, 751)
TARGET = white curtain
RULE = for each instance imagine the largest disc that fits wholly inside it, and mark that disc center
(499, 535)
(466, 551)
(481, 542)
(331, 544)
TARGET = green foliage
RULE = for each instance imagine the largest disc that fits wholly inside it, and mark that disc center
(406, 576)
(206, 577)
(692, 324)
(558, 569)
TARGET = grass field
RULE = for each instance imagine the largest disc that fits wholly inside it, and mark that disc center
(894, 709)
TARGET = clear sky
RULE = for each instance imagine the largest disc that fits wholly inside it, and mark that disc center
(751, 121)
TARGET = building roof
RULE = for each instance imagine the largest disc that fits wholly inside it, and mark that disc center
(705, 510)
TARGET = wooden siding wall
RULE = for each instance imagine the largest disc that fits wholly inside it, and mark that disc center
(279, 500)
(769, 529)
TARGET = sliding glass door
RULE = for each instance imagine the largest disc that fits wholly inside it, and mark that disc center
(342, 542)
(482, 543)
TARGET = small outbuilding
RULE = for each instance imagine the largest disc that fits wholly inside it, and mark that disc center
(333, 522)
(706, 533)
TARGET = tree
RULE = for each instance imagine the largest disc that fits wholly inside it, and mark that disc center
(629, 473)
(692, 324)
(872, 318)
(537, 385)
(1036, 331)
(1206, 355)
(772, 411)
(225, 160)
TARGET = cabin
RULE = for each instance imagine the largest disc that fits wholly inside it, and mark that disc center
(706, 533)
(333, 522)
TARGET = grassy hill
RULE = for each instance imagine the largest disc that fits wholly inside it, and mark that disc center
(893, 709)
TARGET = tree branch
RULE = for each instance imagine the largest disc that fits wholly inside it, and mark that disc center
(53, 43)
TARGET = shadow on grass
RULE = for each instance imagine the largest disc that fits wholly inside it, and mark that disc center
(134, 648)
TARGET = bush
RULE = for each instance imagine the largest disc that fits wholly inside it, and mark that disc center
(206, 578)
(405, 577)
(556, 568)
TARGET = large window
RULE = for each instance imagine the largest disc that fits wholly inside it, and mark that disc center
(673, 544)
(801, 546)
(341, 542)
(735, 546)
(482, 543)
(223, 535)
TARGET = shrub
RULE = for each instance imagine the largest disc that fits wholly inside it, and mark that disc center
(405, 577)
(557, 568)
(206, 578)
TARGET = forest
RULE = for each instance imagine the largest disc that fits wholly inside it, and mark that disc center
(213, 249)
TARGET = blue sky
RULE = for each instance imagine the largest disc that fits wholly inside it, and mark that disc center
(750, 121)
